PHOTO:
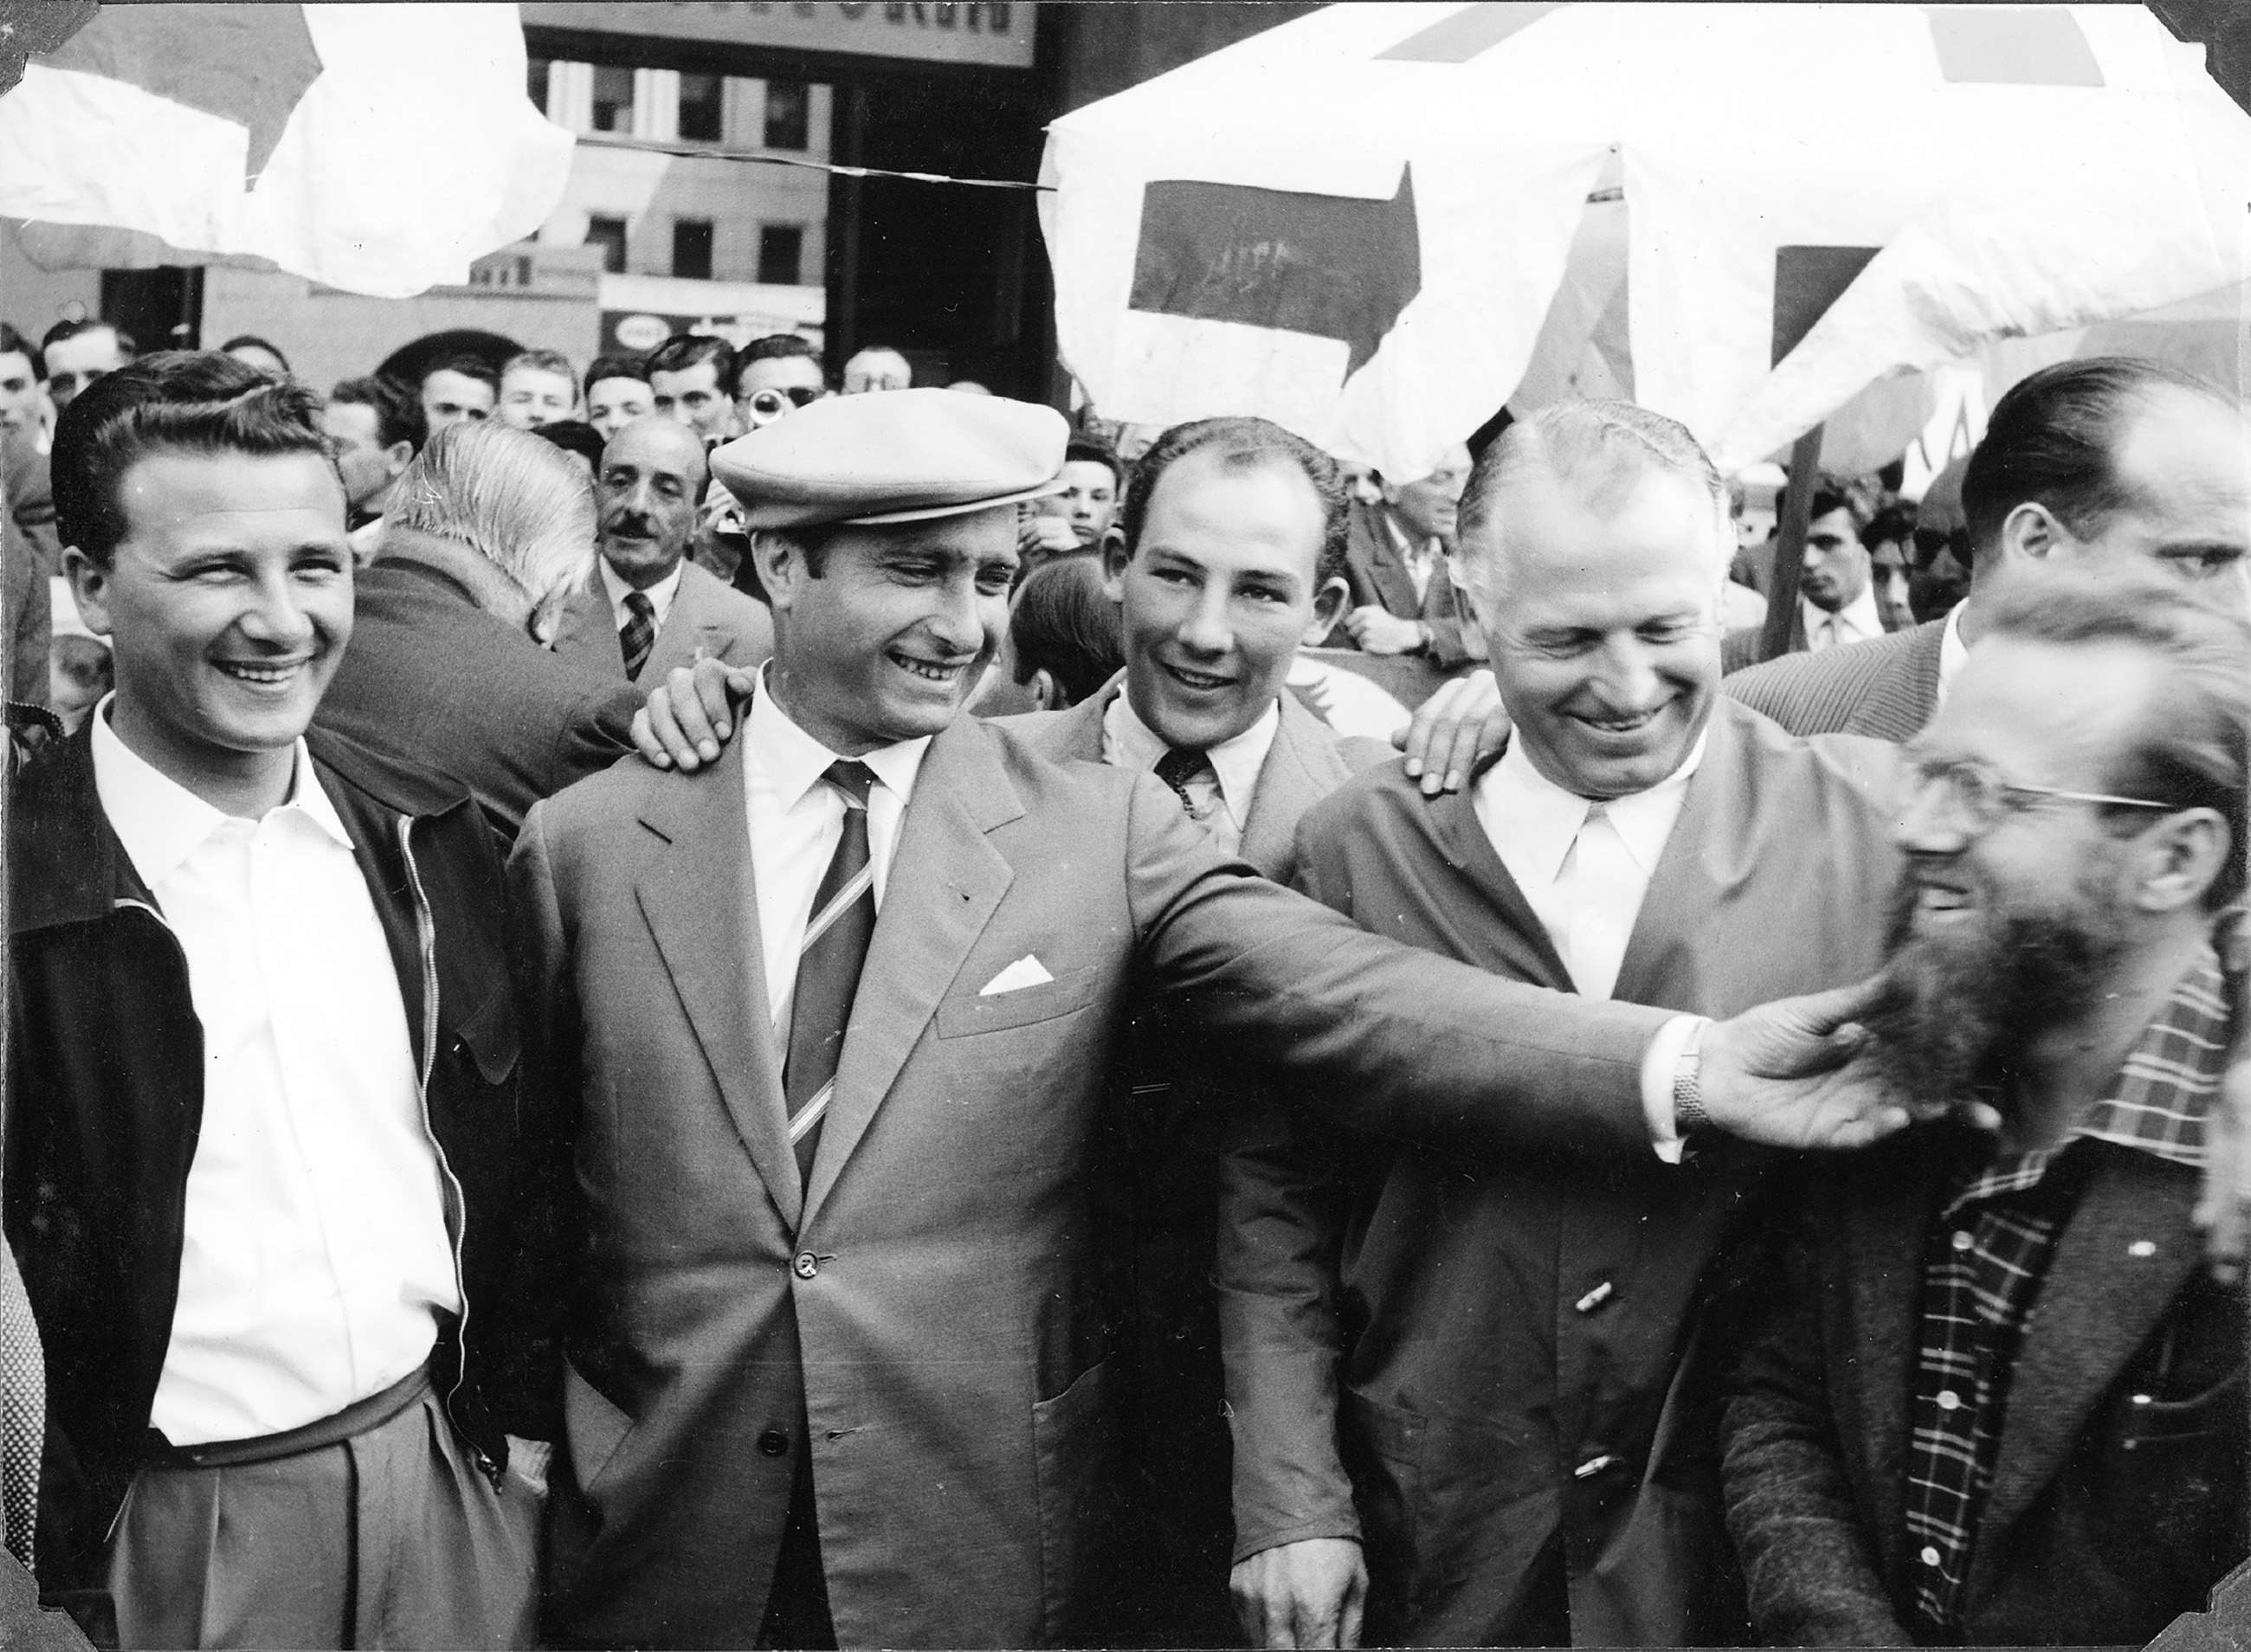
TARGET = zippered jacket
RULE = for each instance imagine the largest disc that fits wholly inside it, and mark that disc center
(105, 1065)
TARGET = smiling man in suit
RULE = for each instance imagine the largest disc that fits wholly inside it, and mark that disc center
(834, 1022)
(648, 607)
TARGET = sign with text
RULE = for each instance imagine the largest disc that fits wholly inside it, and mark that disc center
(976, 32)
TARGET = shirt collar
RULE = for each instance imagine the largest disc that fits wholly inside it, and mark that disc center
(660, 594)
(795, 762)
(1405, 541)
(1953, 652)
(161, 822)
(1542, 819)
(1860, 614)
(1235, 761)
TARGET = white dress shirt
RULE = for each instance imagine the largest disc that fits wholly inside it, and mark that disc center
(660, 595)
(316, 1257)
(1422, 559)
(1953, 653)
(796, 820)
(1856, 622)
(1219, 796)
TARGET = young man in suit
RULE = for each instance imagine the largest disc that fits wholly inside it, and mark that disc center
(1998, 1401)
(1490, 1375)
(1402, 599)
(834, 1023)
(646, 608)
(270, 1172)
(1837, 604)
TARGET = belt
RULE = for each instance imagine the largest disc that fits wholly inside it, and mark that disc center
(359, 1418)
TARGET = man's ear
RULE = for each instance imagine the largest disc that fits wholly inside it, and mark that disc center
(399, 455)
(2031, 531)
(1115, 557)
(1328, 607)
(780, 562)
(89, 586)
(1047, 693)
(2179, 859)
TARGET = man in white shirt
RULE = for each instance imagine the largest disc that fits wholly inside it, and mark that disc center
(1483, 1372)
(269, 1171)
(1836, 592)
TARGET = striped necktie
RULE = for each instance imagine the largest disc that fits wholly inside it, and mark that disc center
(828, 963)
(637, 634)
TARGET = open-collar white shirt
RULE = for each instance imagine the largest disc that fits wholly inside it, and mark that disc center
(1857, 622)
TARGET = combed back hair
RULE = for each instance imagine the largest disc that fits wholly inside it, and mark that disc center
(1831, 493)
(199, 402)
(469, 367)
(397, 410)
(14, 343)
(542, 361)
(1597, 451)
(1064, 623)
(2053, 440)
(521, 503)
(63, 330)
(1088, 450)
(252, 341)
(2193, 747)
(682, 351)
(615, 367)
(1239, 442)
(775, 347)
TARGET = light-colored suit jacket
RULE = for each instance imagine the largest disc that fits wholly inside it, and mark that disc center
(1886, 688)
(705, 615)
(926, 1301)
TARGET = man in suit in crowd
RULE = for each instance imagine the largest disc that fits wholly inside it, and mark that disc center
(75, 353)
(837, 1345)
(377, 427)
(1837, 602)
(1998, 1400)
(487, 531)
(1402, 599)
(2101, 461)
(646, 608)
(463, 390)
(690, 375)
(1496, 1376)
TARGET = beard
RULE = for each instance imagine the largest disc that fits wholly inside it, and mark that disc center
(1964, 999)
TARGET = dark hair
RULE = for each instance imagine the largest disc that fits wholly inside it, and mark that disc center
(1893, 524)
(468, 367)
(1066, 624)
(201, 402)
(1834, 493)
(772, 347)
(1239, 442)
(614, 367)
(2053, 440)
(14, 343)
(255, 342)
(683, 351)
(1087, 450)
(398, 411)
(2193, 748)
(63, 330)
(574, 435)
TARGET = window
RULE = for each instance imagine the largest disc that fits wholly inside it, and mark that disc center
(535, 82)
(781, 253)
(700, 96)
(788, 115)
(692, 248)
(613, 98)
(609, 234)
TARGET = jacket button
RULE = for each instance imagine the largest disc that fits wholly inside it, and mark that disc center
(806, 1265)
(773, 1443)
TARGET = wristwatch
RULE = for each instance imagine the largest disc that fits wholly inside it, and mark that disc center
(1688, 1113)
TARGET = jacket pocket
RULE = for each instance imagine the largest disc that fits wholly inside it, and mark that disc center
(1074, 1451)
(593, 1427)
(963, 1014)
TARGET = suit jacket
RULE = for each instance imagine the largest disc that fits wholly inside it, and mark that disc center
(1886, 688)
(705, 614)
(2118, 1496)
(1378, 574)
(1739, 650)
(1490, 1372)
(929, 1301)
(433, 679)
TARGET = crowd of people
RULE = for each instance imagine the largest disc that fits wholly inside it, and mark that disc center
(684, 1006)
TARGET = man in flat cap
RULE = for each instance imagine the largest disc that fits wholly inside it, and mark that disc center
(836, 1330)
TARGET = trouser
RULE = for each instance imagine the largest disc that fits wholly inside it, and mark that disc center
(374, 1528)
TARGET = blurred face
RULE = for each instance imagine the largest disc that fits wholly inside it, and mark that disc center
(784, 373)
(448, 398)
(369, 467)
(1835, 568)
(1088, 501)
(877, 370)
(695, 397)
(887, 641)
(611, 404)
(1426, 508)
(1887, 572)
(1604, 630)
(227, 606)
(530, 398)
(76, 362)
(1218, 596)
(19, 395)
(2183, 461)
(646, 496)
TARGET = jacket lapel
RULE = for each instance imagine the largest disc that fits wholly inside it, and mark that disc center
(945, 881)
(700, 904)
(1704, 847)
(1387, 570)
(1906, 695)
(585, 632)
(1462, 839)
(1302, 766)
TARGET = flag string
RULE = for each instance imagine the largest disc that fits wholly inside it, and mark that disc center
(764, 157)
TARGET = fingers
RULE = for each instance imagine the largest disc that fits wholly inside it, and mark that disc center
(1356, 1603)
(1823, 1013)
(645, 741)
(676, 724)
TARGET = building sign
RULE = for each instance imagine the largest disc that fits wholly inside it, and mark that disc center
(968, 32)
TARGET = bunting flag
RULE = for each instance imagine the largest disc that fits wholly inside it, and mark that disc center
(378, 148)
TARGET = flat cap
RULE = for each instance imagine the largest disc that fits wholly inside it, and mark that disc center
(893, 455)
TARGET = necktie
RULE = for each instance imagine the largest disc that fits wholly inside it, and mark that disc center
(1602, 895)
(1176, 767)
(637, 634)
(828, 963)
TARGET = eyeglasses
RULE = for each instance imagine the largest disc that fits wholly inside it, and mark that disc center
(1984, 799)
(799, 395)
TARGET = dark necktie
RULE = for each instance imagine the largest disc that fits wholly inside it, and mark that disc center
(1176, 767)
(829, 965)
(637, 634)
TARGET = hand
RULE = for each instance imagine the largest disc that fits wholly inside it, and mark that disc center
(1460, 723)
(690, 714)
(1305, 1593)
(1052, 534)
(1798, 1072)
(1379, 631)
(2223, 1205)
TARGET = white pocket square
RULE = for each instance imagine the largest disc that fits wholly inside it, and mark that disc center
(1027, 971)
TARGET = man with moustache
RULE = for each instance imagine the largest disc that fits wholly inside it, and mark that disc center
(1494, 1377)
(646, 608)
(1999, 1401)
(837, 1366)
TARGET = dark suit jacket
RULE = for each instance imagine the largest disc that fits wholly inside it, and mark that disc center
(1378, 574)
(930, 1298)
(1886, 688)
(431, 678)
(1739, 650)
(705, 614)
(1489, 1372)
(2118, 1497)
